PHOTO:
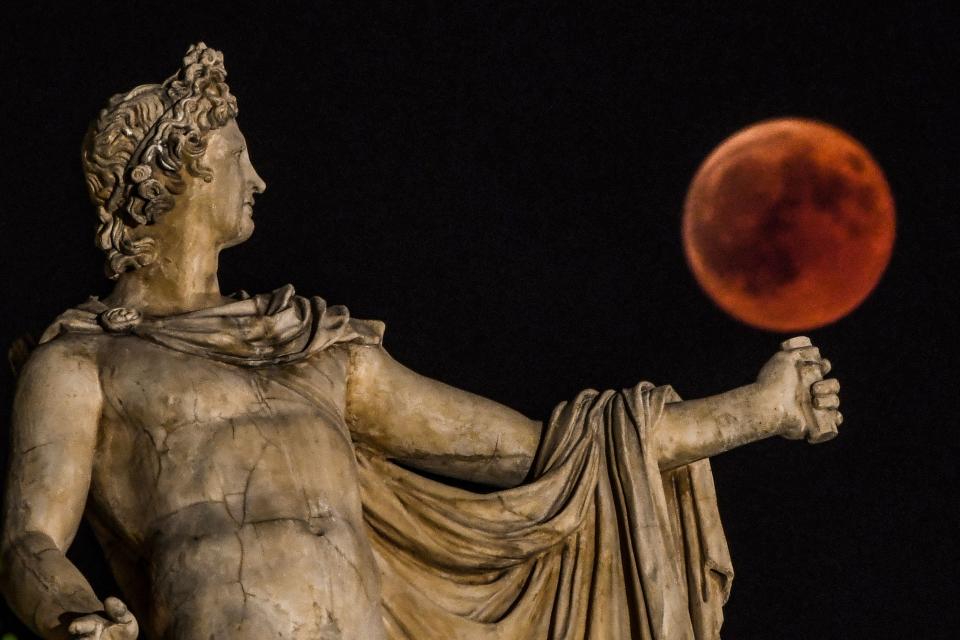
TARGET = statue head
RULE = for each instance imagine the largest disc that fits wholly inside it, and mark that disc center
(151, 145)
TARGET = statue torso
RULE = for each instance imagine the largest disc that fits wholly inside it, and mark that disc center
(237, 489)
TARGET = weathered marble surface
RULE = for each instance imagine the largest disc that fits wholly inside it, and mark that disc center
(234, 455)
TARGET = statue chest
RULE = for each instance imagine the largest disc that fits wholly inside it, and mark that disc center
(190, 446)
(164, 389)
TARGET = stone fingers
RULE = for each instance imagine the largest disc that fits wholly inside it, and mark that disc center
(825, 394)
(808, 355)
(795, 343)
(825, 366)
(819, 398)
(831, 401)
(810, 372)
(804, 350)
(117, 611)
(126, 627)
(87, 627)
(823, 399)
(826, 387)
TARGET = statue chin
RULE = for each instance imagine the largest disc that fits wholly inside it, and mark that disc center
(244, 232)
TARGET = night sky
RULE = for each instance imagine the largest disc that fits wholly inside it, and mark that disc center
(502, 184)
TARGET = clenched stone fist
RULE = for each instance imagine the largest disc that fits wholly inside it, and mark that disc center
(793, 382)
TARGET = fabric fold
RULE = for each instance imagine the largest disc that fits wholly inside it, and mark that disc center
(267, 329)
(599, 544)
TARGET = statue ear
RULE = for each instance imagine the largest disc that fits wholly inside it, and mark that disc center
(19, 351)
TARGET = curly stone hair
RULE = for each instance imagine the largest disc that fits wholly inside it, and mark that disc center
(134, 152)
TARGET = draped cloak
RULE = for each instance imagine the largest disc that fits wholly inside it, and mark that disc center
(598, 543)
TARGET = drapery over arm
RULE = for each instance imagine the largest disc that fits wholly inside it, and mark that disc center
(598, 544)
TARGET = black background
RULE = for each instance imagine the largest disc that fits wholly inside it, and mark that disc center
(502, 184)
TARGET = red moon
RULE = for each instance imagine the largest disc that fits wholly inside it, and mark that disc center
(788, 225)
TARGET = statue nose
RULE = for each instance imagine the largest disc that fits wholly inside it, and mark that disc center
(259, 186)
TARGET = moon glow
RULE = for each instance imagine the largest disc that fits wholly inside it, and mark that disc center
(788, 225)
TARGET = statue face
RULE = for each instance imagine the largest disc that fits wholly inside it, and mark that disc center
(226, 202)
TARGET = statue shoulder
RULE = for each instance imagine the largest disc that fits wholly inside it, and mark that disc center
(66, 352)
(58, 401)
(74, 334)
(61, 376)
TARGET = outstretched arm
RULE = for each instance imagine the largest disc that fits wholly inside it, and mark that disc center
(55, 417)
(435, 427)
(432, 426)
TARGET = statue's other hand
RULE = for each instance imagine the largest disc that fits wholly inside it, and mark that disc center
(118, 625)
(805, 404)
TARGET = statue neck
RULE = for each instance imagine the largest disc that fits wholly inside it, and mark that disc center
(183, 278)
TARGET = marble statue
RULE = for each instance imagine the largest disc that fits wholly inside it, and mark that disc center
(237, 456)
